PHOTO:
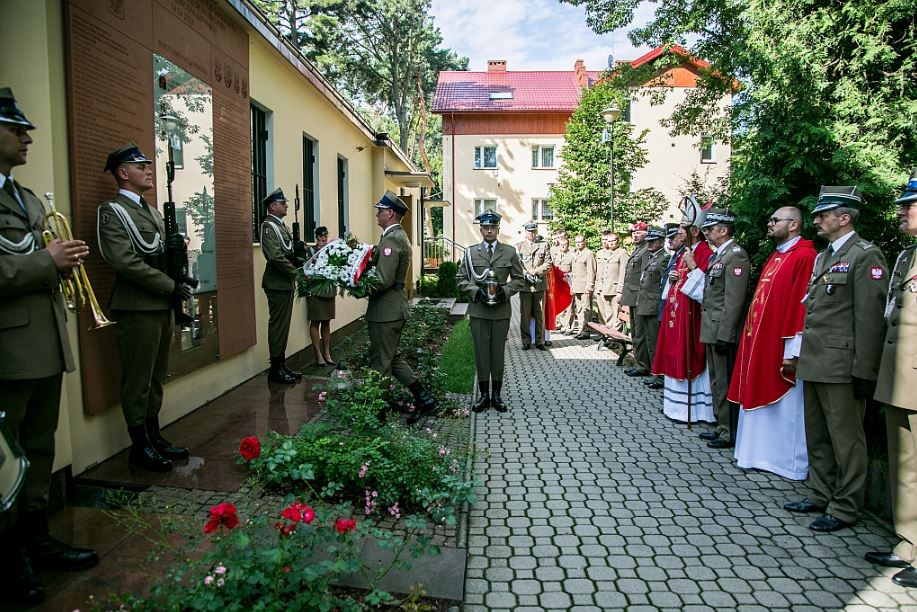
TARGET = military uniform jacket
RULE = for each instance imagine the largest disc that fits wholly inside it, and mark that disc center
(634, 268)
(583, 272)
(651, 282)
(536, 259)
(844, 325)
(897, 383)
(725, 286)
(563, 260)
(131, 240)
(610, 268)
(33, 317)
(507, 271)
(277, 246)
(392, 257)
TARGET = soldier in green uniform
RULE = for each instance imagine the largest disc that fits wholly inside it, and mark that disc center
(839, 359)
(130, 239)
(388, 307)
(489, 274)
(634, 268)
(583, 273)
(36, 353)
(645, 317)
(725, 286)
(278, 282)
(536, 262)
(897, 389)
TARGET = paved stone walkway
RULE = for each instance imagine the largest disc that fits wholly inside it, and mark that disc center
(590, 499)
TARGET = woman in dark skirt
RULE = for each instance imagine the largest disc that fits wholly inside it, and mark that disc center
(321, 310)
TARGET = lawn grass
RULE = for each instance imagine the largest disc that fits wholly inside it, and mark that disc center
(458, 359)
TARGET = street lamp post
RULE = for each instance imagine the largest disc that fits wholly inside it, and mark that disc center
(611, 114)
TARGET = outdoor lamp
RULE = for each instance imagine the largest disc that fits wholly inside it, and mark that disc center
(611, 114)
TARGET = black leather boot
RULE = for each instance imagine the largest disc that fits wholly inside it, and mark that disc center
(18, 583)
(424, 403)
(165, 448)
(296, 374)
(278, 374)
(47, 553)
(495, 400)
(483, 402)
(143, 455)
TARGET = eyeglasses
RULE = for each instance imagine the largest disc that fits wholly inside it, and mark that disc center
(776, 220)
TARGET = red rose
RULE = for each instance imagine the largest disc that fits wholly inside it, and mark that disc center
(298, 511)
(250, 448)
(345, 525)
(222, 515)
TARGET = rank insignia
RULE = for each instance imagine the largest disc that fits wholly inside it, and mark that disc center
(876, 272)
(387, 251)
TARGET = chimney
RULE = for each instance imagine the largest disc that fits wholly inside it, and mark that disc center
(496, 65)
(579, 73)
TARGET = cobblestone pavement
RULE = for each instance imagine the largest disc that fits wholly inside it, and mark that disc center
(590, 499)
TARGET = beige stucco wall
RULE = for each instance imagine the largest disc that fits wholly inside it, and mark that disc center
(32, 63)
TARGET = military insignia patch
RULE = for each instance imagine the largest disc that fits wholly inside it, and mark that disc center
(105, 218)
(844, 266)
(876, 272)
(387, 251)
(718, 266)
(737, 271)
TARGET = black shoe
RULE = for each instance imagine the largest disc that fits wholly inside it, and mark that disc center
(497, 402)
(277, 375)
(719, 443)
(482, 404)
(163, 446)
(20, 584)
(526, 347)
(296, 373)
(906, 577)
(148, 458)
(47, 553)
(424, 403)
(636, 372)
(541, 347)
(826, 523)
(885, 559)
(583, 336)
(803, 506)
(656, 384)
(708, 435)
(548, 343)
(629, 370)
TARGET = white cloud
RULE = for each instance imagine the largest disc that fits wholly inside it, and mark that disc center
(529, 34)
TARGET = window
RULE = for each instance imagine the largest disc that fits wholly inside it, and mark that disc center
(342, 197)
(484, 204)
(260, 140)
(707, 150)
(485, 157)
(543, 156)
(541, 210)
(309, 177)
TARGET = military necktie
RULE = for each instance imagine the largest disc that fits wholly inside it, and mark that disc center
(10, 188)
(823, 264)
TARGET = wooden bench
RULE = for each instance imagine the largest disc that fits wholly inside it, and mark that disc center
(613, 339)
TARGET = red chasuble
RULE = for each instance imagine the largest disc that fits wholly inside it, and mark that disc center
(556, 298)
(680, 325)
(776, 313)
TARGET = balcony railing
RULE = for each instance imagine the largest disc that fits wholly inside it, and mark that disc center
(439, 249)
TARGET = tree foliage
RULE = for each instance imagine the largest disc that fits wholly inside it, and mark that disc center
(824, 96)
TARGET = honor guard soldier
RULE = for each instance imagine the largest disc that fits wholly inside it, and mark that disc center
(634, 268)
(610, 265)
(646, 312)
(388, 307)
(839, 359)
(583, 273)
(536, 261)
(489, 274)
(725, 287)
(36, 353)
(278, 283)
(130, 239)
(897, 389)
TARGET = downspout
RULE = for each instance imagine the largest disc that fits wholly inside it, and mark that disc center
(454, 203)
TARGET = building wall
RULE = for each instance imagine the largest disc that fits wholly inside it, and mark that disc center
(32, 63)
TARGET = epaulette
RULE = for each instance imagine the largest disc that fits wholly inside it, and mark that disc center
(863, 244)
(737, 249)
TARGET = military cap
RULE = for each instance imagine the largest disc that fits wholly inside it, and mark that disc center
(274, 196)
(715, 216)
(671, 229)
(655, 233)
(9, 110)
(639, 226)
(531, 226)
(392, 202)
(833, 196)
(489, 217)
(909, 195)
(128, 154)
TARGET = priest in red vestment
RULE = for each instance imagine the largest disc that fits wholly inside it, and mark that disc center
(771, 433)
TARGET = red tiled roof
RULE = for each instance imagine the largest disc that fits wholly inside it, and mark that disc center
(531, 90)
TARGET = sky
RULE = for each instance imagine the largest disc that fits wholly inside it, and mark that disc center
(530, 34)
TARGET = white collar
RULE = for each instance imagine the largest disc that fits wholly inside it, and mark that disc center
(130, 195)
(789, 244)
(3, 179)
(278, 219)
(723, 246)
(837, 244)
(486, 245)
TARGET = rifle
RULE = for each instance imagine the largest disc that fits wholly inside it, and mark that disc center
(177, 267)
(299, 247)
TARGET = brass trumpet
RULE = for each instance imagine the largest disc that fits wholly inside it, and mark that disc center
(74, 285)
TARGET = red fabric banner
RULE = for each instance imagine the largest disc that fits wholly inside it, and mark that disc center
(557, 296)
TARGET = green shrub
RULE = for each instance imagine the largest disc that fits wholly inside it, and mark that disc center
(446, 284)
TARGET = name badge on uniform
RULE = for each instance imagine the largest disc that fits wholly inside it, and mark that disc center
(387, 251)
